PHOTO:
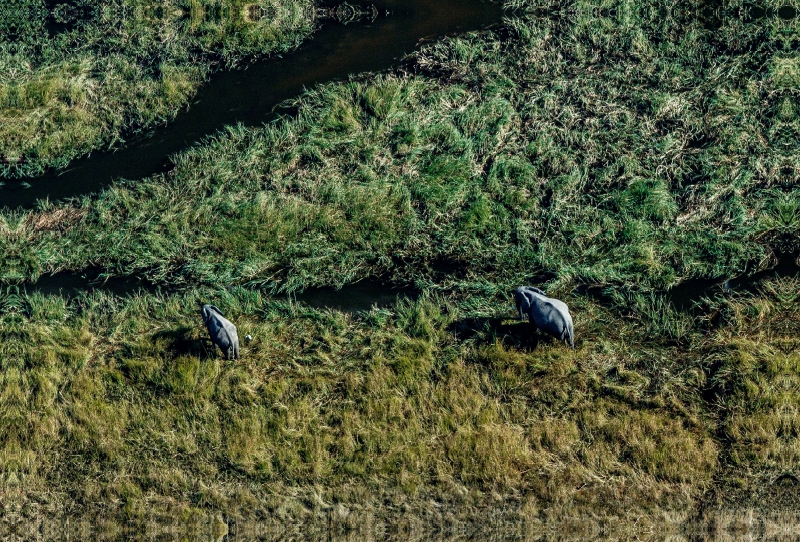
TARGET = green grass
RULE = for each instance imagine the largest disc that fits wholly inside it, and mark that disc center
(634, 151)
(592, 171)
(131, 66)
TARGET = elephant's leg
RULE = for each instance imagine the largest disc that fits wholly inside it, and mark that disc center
(534, 336)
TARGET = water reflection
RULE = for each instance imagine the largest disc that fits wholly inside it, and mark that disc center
(729, 525)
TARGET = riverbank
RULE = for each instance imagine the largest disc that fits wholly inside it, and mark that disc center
(554, 151)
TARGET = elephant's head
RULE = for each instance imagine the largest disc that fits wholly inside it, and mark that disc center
(207, 310)
(536, 290)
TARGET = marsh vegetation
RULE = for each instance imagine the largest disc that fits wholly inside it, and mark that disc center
(627, 147)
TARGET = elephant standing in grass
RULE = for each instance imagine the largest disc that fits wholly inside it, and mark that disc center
(222, 332)
(548, 314)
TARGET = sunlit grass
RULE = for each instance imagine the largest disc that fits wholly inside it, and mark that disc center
(129, 397)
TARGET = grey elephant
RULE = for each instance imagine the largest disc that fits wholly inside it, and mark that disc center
(545, 313)
(222, 331)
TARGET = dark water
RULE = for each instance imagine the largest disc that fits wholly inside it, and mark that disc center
(352, 298)
(361, 296)
(355, 297)
(686, 294)
(72, 284)
(249, 96)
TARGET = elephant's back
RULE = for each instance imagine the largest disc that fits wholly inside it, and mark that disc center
(550, 315)
(562, 309)
(218, 328)
(560, 305)
(213, 326)
(228, 326)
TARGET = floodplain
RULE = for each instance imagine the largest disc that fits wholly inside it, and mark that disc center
(636, 160)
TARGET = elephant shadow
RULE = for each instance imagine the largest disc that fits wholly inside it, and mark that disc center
(519, 334)
(188, 341)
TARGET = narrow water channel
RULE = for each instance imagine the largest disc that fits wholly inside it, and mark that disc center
(352, 298)
(361, 296)
(249, 96)
(686, 295)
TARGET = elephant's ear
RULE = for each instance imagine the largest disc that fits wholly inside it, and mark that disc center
(524, 301)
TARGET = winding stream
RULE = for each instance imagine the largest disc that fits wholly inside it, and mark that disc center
(249, 96)
(361, 296)
(687, 294)
(684, 295)
(352, 298)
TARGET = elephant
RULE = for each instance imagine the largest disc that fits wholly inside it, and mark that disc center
(546, 313)
(222, 332)
(523, 300)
